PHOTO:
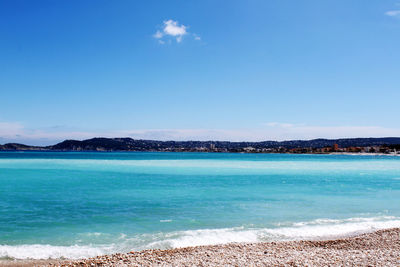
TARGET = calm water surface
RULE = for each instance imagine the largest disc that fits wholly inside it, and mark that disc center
(78, 204)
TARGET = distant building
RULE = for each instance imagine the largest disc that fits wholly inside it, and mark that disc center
(335, 147)
(212, 146)
(249, 149)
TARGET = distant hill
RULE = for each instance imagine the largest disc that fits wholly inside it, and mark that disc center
(129, 144)
(15, 146)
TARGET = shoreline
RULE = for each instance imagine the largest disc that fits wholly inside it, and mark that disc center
(379, 248)
(205, 152)
(360, 154)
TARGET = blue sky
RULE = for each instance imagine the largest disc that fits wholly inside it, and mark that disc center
(226, 70)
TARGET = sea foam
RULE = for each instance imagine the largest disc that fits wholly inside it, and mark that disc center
(37, 251)
(311, 230)
(316, 229)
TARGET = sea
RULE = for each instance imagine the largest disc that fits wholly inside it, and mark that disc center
(56, 205)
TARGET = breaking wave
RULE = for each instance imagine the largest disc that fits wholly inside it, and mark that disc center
(316, 229)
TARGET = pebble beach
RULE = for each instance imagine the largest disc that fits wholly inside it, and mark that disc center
(380, 248)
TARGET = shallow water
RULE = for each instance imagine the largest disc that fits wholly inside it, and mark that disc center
(78, 204)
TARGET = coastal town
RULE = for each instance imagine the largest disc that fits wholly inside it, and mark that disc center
(382, 149)
(385, 146)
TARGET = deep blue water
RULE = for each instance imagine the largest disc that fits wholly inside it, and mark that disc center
(78, 204)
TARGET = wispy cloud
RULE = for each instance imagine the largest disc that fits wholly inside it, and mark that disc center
(158, 35)
(11, 129)
(279, 124)
(16, 132)
(196, 37)
(172, 29)
(303, 131)
(393, 13)
(270, 131)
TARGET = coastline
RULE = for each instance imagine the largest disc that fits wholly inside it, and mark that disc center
(384, 145)
(205, 152)
(379, 248)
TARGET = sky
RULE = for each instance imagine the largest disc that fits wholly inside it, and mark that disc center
(198, 70)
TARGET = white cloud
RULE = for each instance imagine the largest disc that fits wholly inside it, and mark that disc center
(393, 13)
(172, 29)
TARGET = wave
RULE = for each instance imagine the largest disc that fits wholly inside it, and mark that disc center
(316, 229)
(37, 251)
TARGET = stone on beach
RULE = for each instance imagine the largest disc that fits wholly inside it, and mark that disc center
(380, 248)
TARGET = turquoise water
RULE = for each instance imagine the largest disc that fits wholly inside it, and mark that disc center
(76, 204)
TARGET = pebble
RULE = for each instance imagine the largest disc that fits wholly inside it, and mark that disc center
(380, 248)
